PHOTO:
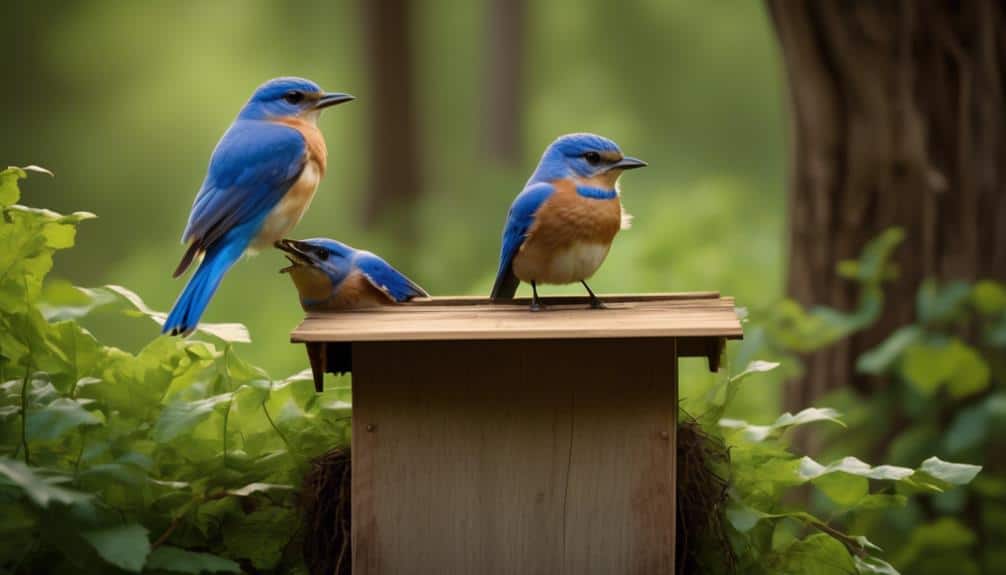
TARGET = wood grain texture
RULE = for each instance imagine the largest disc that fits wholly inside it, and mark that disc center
(517, 457)
(566, 318)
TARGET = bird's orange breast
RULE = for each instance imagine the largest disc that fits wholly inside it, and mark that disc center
(567, 217)
(290, 209)
(570, 237)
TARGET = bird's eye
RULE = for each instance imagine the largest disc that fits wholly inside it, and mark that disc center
(294, 97)
(322, 254)
(593, 158)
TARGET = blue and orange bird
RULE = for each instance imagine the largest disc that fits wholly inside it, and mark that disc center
(330, 275)
(560, 227)
(261, 179)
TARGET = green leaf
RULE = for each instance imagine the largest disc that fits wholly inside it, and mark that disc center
(873, 266)
(260, 537)
(182, 416)
(252, 488)
(989, 297)
(842, 488)
(757, 433)
(951, 362)
(941, 305)
(757, 366)
(744, 518)
(810, 469)
(57, 418)
(950, 473)
(231, 332)
(175, 560)
(883, 357)
(39, 489)
(873, 565)
(818, 554)
(9, 192)
(125, 546)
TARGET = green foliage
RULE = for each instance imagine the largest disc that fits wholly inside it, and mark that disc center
(939, 391)
(180, 458)
(771, 536)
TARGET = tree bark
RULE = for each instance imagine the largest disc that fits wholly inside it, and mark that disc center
(897, 119)
(395, 179)
(503, 79)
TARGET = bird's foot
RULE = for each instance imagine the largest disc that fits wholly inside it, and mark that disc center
(597, 304)
(536, 306)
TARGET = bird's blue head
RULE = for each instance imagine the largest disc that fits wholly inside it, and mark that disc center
(290, 97)
(584, 157)
(317, 266)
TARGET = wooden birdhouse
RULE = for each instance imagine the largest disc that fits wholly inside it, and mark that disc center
(490, 439)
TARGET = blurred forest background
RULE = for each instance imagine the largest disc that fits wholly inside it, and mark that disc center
(124, 102)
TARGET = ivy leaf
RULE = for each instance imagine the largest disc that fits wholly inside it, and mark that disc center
(181, 416)
(59, 417)
(810, 469)
(744, 518)
(9, 192)
(941, 305)
(175, 560)
(252, 488)
(882, 358)
(953, 363)
(125, 546)
(874, 566)
(260, 536)
(231, 332)
(989, 297)
(758, 433)
(950, 473)
(757, 366)
(39, 489)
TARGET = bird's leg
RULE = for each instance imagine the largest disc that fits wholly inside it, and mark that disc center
(536, 304)
(594, 302)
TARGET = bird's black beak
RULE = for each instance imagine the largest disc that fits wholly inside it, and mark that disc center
(295, 252)
(628, 163)
(332, 99)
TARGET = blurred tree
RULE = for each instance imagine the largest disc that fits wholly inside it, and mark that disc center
(396, 179)
(897, 119)
(505, 41)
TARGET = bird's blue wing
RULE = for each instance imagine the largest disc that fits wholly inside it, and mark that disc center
(518, 222)
(386, 278)
(253, 166)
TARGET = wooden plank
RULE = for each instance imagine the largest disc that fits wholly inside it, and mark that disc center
(518, 457)
(642, 317)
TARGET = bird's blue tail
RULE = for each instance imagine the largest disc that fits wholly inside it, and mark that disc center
(189, 307)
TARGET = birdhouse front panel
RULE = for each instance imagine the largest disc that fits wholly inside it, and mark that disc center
(514, 457)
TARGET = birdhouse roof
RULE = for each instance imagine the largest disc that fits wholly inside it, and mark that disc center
(677, 315)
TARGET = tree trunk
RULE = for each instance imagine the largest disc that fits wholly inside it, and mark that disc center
(395, 175)
(503, 79)
(897, 120)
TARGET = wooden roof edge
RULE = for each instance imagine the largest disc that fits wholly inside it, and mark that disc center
(564, 299)
(298, 336)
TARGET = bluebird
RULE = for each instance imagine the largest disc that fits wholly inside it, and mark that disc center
(261, 179)
(560, 227)
(330, 275)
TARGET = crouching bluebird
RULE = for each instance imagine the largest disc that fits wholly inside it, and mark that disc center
(261, 179)
(330, 275)
(560, 227)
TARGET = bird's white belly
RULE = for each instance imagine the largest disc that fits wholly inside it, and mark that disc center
(577, 262)
(290, 209)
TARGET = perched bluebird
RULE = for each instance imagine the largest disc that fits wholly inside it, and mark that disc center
(261, 178)
(560, 227)
(330, 275)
